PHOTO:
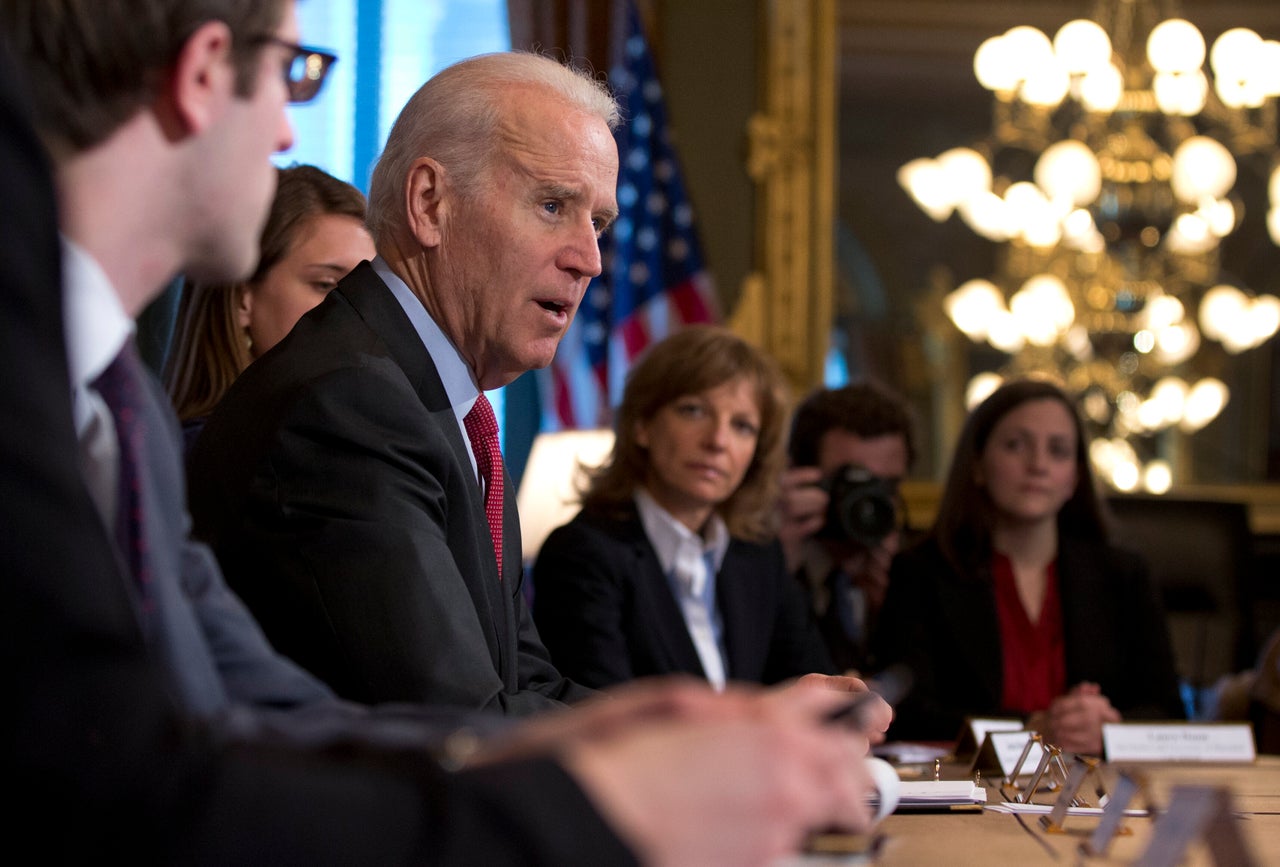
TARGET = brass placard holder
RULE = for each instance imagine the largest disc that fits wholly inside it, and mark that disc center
(1082, 769)
(1011, 779)
(1130, 784)
(1197, 813)
(1050, 763)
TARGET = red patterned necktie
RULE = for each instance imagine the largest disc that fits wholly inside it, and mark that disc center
(482, 429)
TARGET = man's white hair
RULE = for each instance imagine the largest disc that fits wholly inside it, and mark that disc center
(454, 119)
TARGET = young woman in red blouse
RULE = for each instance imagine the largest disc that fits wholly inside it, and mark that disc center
(1017, 603)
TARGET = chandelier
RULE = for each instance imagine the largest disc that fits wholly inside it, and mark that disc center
(1108, 180)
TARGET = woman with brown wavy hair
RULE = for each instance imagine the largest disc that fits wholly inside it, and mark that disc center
(313, 236)
(671, 565)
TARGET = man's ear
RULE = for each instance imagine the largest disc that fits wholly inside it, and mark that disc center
(202, 79)
(426, 205)
(642, 434)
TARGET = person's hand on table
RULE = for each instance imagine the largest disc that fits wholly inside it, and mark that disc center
(1074, 721)
(742, 784)
(877, 716)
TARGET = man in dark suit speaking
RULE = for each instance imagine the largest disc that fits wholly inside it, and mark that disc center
(160, 115)
(350, 483)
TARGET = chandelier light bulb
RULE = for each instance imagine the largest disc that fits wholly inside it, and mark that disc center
(1068, 171)
(1004, 333)
(1047, 84)
(1124, 475)
(967, 172)
(1024, 200)
(1170, 394)
(980, 388)
(988, 215)
(1190, 236)
(1264, 318)
(972, 305)
(1028, 49)
(1101, 89)
(924, 181)
(1219, 216)
(1234, 55)
(1202, 167)
(1182, 94)
(1205, 401)
(1157, 477)
(1273, 224)
(994, 66)
(1268, 67)
(1175, 46)
(1036, 308)
(1163, 311)
(1082, 45)
(1222, 310)
(1176, 343)
(1077, 342)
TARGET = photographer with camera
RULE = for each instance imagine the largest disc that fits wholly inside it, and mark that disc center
(841, 518)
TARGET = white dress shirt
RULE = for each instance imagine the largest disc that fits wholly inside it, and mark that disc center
(459, 382)
(96, 327)
(691, 562)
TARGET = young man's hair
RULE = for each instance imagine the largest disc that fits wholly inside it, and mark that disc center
(864, 409)
(91, 64)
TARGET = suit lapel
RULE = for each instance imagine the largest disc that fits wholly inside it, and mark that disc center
(744, 606)
(670, 634)
(380, 310)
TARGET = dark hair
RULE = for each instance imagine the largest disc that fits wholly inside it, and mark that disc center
(699, 358)
(91, 64)
(966, 516)
(209, 349)
(865, 409)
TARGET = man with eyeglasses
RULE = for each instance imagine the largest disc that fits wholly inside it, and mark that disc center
(136, 683)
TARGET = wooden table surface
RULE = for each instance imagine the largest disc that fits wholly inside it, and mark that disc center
(987, 838)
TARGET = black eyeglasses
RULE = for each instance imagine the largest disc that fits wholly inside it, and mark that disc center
(304, 68)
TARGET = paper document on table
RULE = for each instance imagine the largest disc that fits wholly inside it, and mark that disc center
(1045, 809)
(941, 794)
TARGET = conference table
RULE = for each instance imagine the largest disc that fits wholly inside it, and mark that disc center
(991, 838)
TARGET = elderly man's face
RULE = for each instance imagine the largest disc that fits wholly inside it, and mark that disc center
(517, 257)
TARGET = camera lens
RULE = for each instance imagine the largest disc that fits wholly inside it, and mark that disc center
(863, 507)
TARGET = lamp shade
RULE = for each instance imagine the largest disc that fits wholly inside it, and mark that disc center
(548, 495)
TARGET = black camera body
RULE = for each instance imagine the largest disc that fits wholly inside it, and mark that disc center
(863, 508)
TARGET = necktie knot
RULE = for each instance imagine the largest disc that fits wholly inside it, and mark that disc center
(482, 430)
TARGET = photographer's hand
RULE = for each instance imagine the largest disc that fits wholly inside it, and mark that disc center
(869, 569)
(802, 509)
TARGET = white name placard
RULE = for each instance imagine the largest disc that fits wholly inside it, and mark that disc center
(1008, 747)
(981, 726)
(1178, 742)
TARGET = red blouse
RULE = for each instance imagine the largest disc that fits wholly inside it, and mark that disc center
(1035, 669)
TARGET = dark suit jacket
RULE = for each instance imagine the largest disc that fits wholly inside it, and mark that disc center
(607, 613)
(109, 767)
(214, 650)
(944, 626)
(334, 486)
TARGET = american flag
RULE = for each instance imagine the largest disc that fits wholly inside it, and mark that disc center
(653, 280)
